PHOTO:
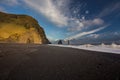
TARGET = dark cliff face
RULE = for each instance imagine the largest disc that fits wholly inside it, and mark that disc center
(20, 29)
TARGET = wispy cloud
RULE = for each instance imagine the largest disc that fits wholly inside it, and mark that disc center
(94, 36)
(103, 35)
(85, 33)
(114, 7)
(79, 24)
(106, 37)
(57, 11)
(2, 9)
(9, 2)
(50, 10)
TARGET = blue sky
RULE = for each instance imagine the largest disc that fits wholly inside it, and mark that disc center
(80, 20)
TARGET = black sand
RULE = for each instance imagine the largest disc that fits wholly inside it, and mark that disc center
(43, 62)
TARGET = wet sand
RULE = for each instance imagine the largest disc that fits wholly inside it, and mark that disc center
(44, 62)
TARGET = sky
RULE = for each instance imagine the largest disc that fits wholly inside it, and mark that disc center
(81, 21)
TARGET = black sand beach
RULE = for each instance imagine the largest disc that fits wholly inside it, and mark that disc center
(43, 62)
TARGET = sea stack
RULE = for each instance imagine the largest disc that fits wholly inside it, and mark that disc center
(20, 29)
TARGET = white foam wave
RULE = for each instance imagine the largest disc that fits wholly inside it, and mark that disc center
(113, 48)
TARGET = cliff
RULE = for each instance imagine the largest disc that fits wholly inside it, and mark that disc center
(20, 29)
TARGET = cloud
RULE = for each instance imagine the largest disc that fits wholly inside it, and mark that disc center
(85, 33)
(50, 10)
(94, 36)
(9, 2)
(2, 9)
(79, 24)
(104, 35)
(57, 11)
(115, 7)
